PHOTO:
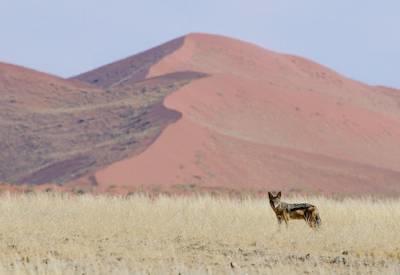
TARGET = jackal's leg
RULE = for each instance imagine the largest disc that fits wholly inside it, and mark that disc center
(313, 224)
(286, 219)
(310, 222)
(312, 219)
(308, 218)
(279, 219)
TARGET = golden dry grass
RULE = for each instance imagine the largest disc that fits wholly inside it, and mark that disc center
(61, 234)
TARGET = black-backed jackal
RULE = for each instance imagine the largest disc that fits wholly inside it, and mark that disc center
(286, 211)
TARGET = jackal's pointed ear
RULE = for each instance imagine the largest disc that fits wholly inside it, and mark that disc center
(270, 195)
(279, 194)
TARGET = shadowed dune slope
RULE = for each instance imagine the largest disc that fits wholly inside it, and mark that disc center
(131, 69)
(260, 120)
(54, 130)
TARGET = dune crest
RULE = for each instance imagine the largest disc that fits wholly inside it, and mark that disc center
(264, 120)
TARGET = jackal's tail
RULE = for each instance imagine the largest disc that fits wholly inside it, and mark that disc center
(317, 220)
(312, 217)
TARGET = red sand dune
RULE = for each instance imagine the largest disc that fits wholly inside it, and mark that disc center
(261, 120)
(240, 118)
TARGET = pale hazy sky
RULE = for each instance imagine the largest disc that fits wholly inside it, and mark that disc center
(359, 38)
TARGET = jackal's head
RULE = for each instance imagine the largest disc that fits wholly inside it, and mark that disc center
(274, 198)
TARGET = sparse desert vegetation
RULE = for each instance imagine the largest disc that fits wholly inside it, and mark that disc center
(68, 234)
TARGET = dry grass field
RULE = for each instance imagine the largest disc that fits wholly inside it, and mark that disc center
(64, 234)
